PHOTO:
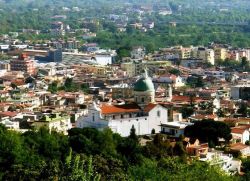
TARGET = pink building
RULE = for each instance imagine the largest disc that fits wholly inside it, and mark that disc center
(23, 64)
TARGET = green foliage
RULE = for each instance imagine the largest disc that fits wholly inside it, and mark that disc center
(209, 131)
(53, 87)
(187, 111)
(90, 155)
(195, 81)
(174, 169)
(74, 169)
(174, 71)
(243, 109)
(70, 86)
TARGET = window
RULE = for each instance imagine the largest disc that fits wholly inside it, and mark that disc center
(113, 116)
(142, 99)
(159, 113)
(93, 117)
(121, 116)
(130, 115)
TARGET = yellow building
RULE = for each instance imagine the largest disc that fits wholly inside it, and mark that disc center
(220, 53)
(136, 68)
(184, 53)
(97, 70)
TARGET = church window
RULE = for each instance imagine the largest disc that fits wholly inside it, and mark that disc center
(130, 115)
(159, 113)
(142, 99)
(113, 116)
(122, 116)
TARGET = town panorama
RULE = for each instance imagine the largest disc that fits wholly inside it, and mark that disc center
(124, 90)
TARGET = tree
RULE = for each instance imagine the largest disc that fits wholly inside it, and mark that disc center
(220, 113)
(133, 135)
(53, 88)
(200, 82)
(243, 109)
(70, 86)
(187, 111)
(160, 147)
(209, 131)
(244, 63)
(76, 168)
(174, 71)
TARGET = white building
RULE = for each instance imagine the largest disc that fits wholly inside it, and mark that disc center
(240, 134)
(143, 114)
(175, 129)
(225, 162)
(240, 148)
(138, 53)
(174, 80)
(241, 92)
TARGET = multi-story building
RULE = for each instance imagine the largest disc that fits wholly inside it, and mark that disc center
(122, 91)
(233, 55)
(183, 52)
(137, 67)
(204, 54)
(24, 64)
(138, 53)
(54, 55)
(220, 53)
(55, 122)
(241, 92)
(57, 28)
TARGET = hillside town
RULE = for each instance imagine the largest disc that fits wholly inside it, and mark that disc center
(160, 92)
(133, 87)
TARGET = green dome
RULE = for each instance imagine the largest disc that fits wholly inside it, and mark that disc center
(144, 84)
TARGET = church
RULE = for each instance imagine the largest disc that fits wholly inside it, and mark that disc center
(144, 113)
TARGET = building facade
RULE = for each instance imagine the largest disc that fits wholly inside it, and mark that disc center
(23, 64)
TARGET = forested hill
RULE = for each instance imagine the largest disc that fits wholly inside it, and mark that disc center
(82, 3)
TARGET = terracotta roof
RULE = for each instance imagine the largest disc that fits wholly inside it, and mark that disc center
(18, 82)
(113, 109)
(235, 120)
(178, 98)
(8, 113)
(238, 130)
(149, 107)
(238, 146)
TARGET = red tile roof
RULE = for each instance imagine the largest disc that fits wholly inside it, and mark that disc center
(235, 120)
(18, 82)
(178, 98)
(8, 114)
(238, 146)
(114, 109)
(149, 107)
(238, 130)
